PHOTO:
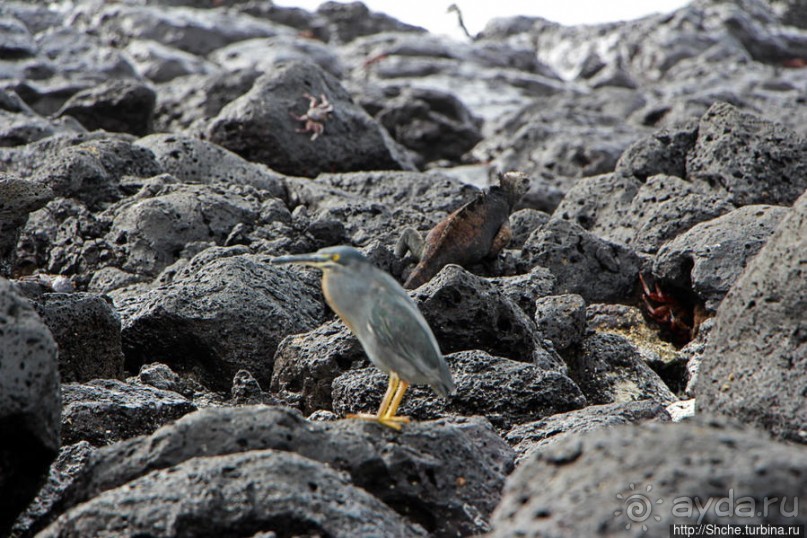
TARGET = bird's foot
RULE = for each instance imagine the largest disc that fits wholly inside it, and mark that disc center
(390, 421)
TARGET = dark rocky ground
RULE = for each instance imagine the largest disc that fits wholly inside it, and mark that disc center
(179, 385)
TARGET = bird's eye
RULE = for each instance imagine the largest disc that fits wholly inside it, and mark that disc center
(335, 257)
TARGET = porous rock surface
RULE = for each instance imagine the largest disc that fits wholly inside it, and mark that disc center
(549, 494)
(151, 155)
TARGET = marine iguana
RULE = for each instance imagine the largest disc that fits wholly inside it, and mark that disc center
(480, 229)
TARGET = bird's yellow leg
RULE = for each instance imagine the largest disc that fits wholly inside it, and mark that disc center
(389, 418)
(392, 388)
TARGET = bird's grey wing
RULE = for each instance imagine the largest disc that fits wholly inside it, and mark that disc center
(400, 329)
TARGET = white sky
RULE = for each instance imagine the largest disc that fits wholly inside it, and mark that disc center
(431, 14)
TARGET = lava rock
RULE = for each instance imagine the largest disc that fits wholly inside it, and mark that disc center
(523, 222)
(196, 161)
(663, 466)
(561, 319)
(710, 256)
(507, 392)
(105, 411)
(247, 391)
(306, 364)
(18, 198)
(258, 127)
(524, 289)
(160, 63)
(755, 364)
(352, 20)
(65, 238)
(266, 489)
(29, 403)
(665, 207)
(197, 31)
(211, 321)
(161, 377)
(531, 437)
(756, 161)
(265, 54)
(120, 106)
(628, 322)
(151, 228)
(92, 171)
(189, 103)
(582, 263)
(434, 124)
(63, 472)
(664, 152)
(444, 475)
(87, 331)
(610, 369)
(643, 216)
(600, 203)
(467, 312)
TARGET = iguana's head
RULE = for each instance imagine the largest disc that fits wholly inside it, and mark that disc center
(514, 184)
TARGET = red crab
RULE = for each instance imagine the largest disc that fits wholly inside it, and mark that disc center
(669, 312)
(316, 116)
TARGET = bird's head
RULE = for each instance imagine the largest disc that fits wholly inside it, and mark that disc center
(326, 258)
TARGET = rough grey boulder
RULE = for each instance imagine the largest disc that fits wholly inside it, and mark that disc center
(306, 364)
(663, 208)
(161, 63)
(561, 319)
(29, 403)
(151, 228)
(87, 331)
(119, 106)
(444, 475)
(582, 263)
(377, 205)
(18, 198)
(221, 317)
(599, 204)
(259, 127)
(709, 257)
(197, 161)
(265, 54)
(754, 160)
(352, 20)
(523, 222)
(92, 170)
(434, 124)
(525, 288)
(265, 490)
(755, 364)
(506, 392)
(650, 477)
(189, 103)
(530, 437)
(644, 216)
(468, 312)
(63, 471)
(663, 152)
(198, 31)
(609, 368)
(105, 411)
(65, 238)
(630, 323)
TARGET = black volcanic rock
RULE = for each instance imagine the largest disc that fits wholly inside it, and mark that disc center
(30, 403)
(754, 367)
(258, 126)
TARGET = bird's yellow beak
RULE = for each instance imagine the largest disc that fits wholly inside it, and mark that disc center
(314, 260)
